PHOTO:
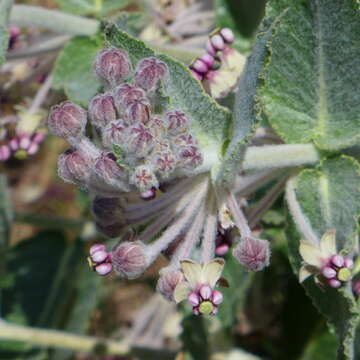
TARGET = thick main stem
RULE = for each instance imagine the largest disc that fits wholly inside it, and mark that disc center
(61, 339)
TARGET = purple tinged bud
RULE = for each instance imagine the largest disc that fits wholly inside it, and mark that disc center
(112, 65)
(67, 120)
(74, 167)
(167, 282)
(253, 253)
(222, 249)
(125, 93)
(200, 66)
(157, 127)
(148, 194)
(106, 210)
(329, 272)
(348, 263)
(14, 144)
(177, 122)
(217, 297)
(102, 110)
(144, 178)
(99, 256)
(210, 48)
(107, 169)
(33, 148)
(194, 299)
(114, 133)
(97, 247)
(129, 259)
(38, 137)
(337, 260)
(149, 71)
(205, 292)
(185, 139)
(334, 283)
(24, 142)
(217, 42)
(139, 140)
(196, 75)
(208, 60)
(104, 269)
(165, 163)
(190, 156)
(227, 35)
(138, 111)
(4, 152)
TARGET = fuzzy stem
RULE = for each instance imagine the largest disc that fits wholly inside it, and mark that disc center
(61, 339)
(41, 95)
(275, 156)
(27, 15)
(210, 232)
(238, 215)
(300, 219)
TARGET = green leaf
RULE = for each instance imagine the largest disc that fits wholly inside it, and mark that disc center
(312, 80)
(6, 212)
(322, 347)
(91, 7)
(329, 197)
(73, 70)
(210, 121)
(5, 7)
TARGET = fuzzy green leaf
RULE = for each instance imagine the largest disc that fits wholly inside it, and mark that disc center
(210, 121)
(5, 7)
(73, 70)
(312, 80)
(329, 197)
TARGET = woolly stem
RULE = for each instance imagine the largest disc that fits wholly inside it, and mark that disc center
(238, 215)
(300, 219)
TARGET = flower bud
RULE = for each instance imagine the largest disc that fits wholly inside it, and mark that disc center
(106, 210)
(108, 170)
(38, 137)
(205, 292)
(97, 247)
(185, 139)
(329, 272)
(348, 263)
(149, 71)
(4, 152)
(24, 141)
(112, 65)
(137, 111)
(337, 260)
(194, 299)
(144, 178)
(190, 156)
(125, 93)
(67, 120)
(217, 42)
(200, 66)
(210, 48)
(157, 127)
(196, 75)
(227, 35)
(139, 140)
(253, 253)
(104, 269)
(208, 60)
(33, 148)
(129, 259)
(114, 133)
(164, 163)
(99, 256)
(14, 144)
(74, 167)
(177, 122)
(167, 282)
(102, 110)
(217, 297)
(334, 283)
(148, 194)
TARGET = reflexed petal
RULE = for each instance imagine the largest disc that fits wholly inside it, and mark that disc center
(304, 273)
(181, 291)
(211, 272)
(310, 253)
(328, 243)
(192, 272)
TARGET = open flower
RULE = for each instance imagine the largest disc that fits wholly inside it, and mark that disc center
(324, 262)
(198, 287)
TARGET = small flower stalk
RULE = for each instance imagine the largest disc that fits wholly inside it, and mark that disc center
(324, 262)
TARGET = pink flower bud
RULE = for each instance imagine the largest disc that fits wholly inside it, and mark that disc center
(348, 263)
(4, 152)
(14, 144)
(165, 163)
(157, 127)
(148, 194)
(112, 65)
(97, 247)
(222, 249)
(104, 269)
(67, 120)
(194, 299)
(99, 256)
(38, 137)
(227, 35)
(33, 148)
(205, 292)
(217, 42)
(208, 60)
(74, 167)
(167, 282)
(137, 111)
(112, 230)
(102, 110)
(217, 297)
(177, 122)
(337, 260)
(253, 253)
(129, 259)
(190, 156)
(329, 272)
(106, 210)
(125, 93)
(185, 139)
(24, 142)
(114, 133)
(140, 140)
(210, 48)
(200, 66)
(144, 178)
(108, 170)
(334, 283)
(196, 75)
(149, 71)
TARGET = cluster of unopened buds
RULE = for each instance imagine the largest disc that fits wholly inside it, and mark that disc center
(21, 146)
(141, 145)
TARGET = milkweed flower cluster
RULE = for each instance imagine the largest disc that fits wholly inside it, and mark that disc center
(141, 146)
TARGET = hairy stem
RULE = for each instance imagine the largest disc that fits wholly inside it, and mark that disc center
(61, 339)
(238, 215)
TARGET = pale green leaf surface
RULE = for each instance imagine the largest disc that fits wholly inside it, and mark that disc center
(73, 70)
(5, 6)
(312, 80)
